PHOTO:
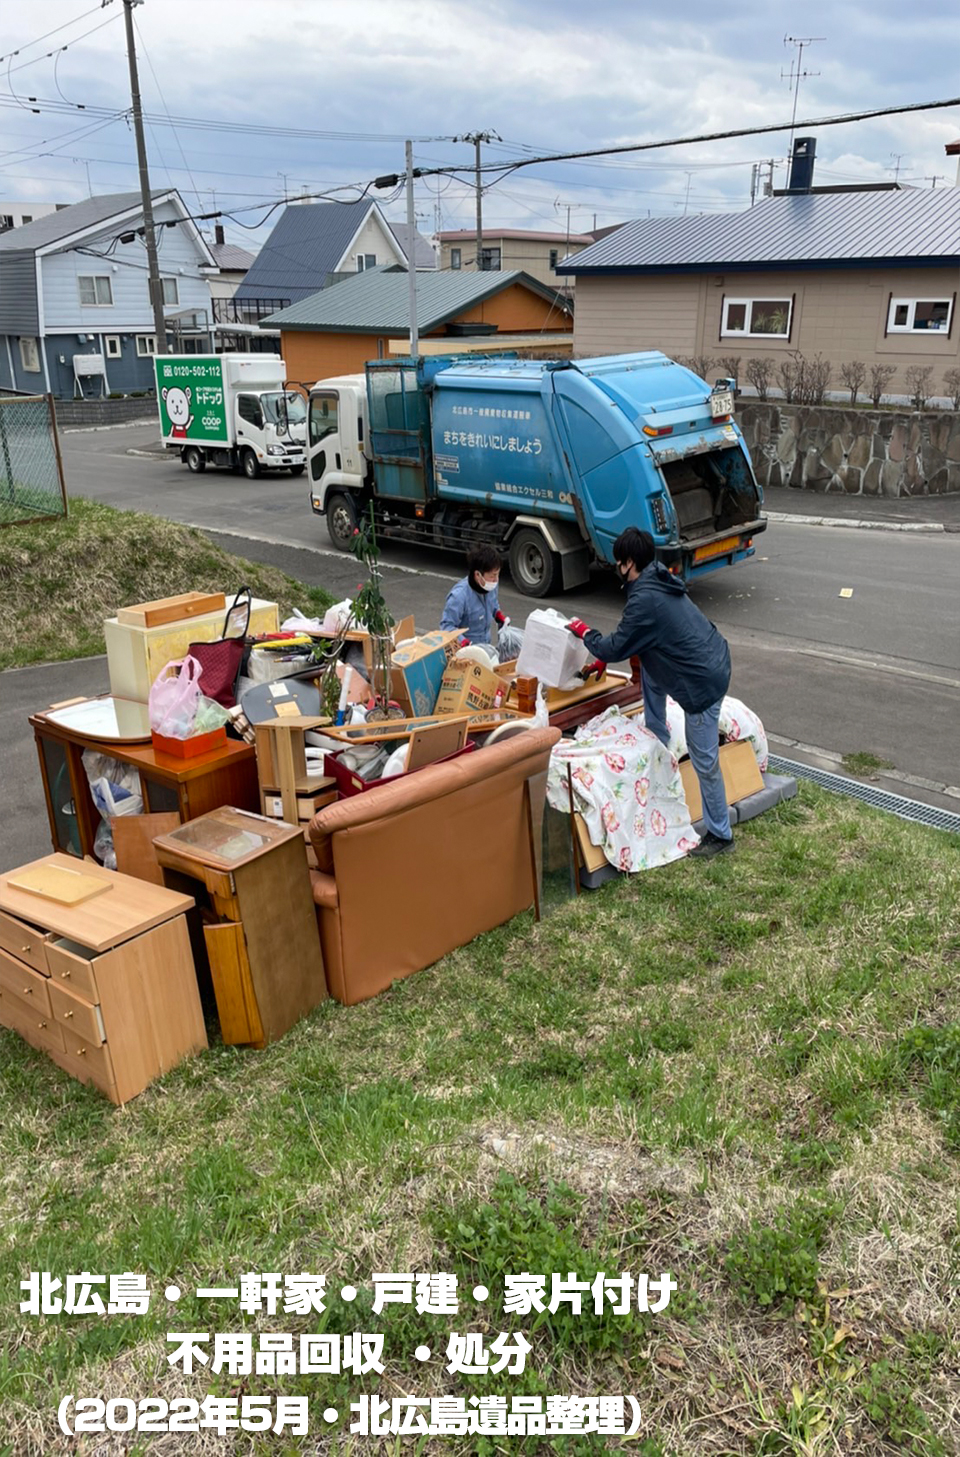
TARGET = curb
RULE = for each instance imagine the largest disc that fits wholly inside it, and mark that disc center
(89, 429)
(892, 776)
(914, 526)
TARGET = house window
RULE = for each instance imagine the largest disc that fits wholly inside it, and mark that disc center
(757, 317)
(554, 255)
(919, 315)
(112, 342)
(30, 356)
(6, 221)
(96, 290)
(146, 346)
(27, 218)
(455, 258)
(171, 294)
(490, 260)
(366, 260)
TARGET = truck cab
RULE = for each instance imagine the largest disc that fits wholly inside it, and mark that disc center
(270, 431)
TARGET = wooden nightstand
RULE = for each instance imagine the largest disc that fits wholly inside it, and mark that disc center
(262, 937)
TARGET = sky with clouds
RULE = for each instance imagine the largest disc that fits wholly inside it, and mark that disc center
(341, 83)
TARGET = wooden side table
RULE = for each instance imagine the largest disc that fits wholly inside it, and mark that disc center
(105, 988)
(189, 787)
(262, 937)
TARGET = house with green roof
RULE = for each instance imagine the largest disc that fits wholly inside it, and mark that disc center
(337, 330)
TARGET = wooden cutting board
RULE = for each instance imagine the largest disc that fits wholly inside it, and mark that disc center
(56, 883)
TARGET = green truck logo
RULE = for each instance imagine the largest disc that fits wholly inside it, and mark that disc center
(192, 400)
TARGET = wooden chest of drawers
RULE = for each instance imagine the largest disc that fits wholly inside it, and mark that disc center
(106, 989)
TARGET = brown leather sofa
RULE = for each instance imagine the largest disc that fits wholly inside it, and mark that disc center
(412, 869)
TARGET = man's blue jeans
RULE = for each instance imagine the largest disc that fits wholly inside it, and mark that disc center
(703, 744)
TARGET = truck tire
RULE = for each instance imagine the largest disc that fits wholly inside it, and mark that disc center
(534, 568)
(341, 520)
(297, 470)
(194, 459)
(250, 465)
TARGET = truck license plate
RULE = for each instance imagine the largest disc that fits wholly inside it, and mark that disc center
(721, 403)
(716, 548)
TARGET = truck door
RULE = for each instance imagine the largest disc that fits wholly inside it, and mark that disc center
(324, 423)
(250, 422)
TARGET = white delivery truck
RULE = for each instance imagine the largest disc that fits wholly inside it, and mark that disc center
(231, 410)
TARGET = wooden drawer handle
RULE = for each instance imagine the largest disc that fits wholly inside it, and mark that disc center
(28, 991)
(67, 1016)
(24, 948)
(81, 1052)
(64, 975)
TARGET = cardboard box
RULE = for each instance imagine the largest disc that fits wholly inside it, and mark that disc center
(550, 651)
(135, 655)
(420, 667)
(467, 688)
(401, 631)
(741, 776)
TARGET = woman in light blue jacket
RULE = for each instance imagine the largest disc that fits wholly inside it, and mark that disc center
(473, 606)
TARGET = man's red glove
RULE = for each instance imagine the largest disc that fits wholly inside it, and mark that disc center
(464, 642)
(598, 667)
(501, 620)
(578, 628)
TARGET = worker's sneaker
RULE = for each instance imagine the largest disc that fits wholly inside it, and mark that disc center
(711, 845)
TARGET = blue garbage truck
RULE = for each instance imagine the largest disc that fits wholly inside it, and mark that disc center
(548, 461)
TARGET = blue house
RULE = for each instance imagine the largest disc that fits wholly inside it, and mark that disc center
(75, 312)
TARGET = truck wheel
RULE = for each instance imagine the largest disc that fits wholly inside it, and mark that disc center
(297, 470)
(534, 568)
(250, 464)
(195, 459)
(341, 521)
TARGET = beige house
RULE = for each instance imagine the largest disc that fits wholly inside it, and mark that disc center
(867, 276)
(536, 254)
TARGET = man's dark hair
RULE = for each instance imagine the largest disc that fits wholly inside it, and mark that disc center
(634, 545)
(482, 559)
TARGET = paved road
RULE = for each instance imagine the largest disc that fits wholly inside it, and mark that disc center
(877, 671)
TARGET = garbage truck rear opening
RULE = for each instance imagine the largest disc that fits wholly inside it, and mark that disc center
(548, 461)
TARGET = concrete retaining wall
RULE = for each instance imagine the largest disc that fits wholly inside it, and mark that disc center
(104, 412)
(859, 452)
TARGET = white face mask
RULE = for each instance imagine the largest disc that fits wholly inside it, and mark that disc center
(487, 586)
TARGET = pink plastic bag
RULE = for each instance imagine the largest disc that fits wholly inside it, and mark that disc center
(174, 698)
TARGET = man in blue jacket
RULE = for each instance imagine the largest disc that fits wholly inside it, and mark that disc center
(681, 653)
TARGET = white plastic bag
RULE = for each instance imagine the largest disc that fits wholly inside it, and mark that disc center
(115, 789)
(337, 616)
(541, 718)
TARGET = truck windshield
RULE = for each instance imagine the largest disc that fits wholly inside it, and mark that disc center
(284, 409)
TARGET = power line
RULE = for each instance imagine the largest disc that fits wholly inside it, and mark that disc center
(47, 34)
(842, 119)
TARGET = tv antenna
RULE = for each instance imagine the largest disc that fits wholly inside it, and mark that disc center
(796, 74)
(898, 158)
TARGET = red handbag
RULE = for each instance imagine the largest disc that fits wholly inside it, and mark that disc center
(222, 660)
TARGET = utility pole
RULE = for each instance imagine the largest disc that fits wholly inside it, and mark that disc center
(934, 180)
(412, 257)
(476, 138)
(149, 236)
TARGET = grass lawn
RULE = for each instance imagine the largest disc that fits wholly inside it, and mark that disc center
(746, 1073)
(60, 579)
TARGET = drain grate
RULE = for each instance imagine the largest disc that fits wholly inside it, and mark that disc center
(895, 804)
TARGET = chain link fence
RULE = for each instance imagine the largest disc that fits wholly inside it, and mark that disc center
(31, 470)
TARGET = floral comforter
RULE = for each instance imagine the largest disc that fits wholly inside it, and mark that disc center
(627, 786)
